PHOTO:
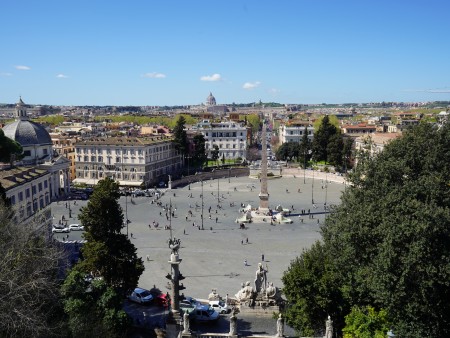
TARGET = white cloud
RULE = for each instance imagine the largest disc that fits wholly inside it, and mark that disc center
(22, 67)
(211, 78)
(61, 76)
(154, 75)
(5, 74)
(251, 85)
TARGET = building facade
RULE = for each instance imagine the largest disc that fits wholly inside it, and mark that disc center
(28, 189)
(294, 133)
(132, 161)
(230, 137)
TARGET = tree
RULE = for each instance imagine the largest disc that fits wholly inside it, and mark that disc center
(215, 153)
(366, 323)
(223, 159)
(30, 303)
(305, 148)
(322, 136)
(254, 122)
(282, 152)
(335, 148)
(199, 157)
(9, 149)
(180, 136)
(308, 287)
(387, 242)
(108, 256)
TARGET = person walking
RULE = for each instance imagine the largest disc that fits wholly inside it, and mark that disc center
(262, 257)
(245, 262)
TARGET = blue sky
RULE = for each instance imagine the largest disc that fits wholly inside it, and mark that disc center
(175, 52)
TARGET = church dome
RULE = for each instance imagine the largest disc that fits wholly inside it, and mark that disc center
(27, 133)
(210, 100)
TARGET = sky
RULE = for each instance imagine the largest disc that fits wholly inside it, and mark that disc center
(165, 52)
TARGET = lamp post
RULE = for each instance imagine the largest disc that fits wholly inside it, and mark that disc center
(229, 173)
(126, 208)
(312, 188)
(218, 193)
(202, 204)
(70, 211)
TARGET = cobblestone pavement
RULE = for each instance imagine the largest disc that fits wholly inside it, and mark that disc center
(214, 258)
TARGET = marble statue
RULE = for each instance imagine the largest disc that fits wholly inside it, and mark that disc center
(213, 295)
(261, 278)
(245, 293)
(329, 328)
(233, 321)
(280, 326)
(186, 322)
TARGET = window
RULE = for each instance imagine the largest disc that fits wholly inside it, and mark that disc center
(27, 192)
(45, 184)
(40, 186)
(45, 151)
(20, 195)
(117, 159)
(100, 159)
(86, 158)
(33, 189)
(13, 199)
(27, 153)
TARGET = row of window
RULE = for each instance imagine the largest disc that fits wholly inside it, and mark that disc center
(299, 132)
(227, 146)
(28, 192)
(221, 134)
(123, 151)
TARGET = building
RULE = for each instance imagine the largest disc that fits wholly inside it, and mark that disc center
(64, 145)
(132, 161)
(295, 132)
(38, 151)
(210, 100)
(359, 129)
(29, 190)
(374, 143)
(230, 137)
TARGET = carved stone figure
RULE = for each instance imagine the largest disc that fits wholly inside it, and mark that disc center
(245, 293)
(280, 326)
(213, 295)
(186, 322)
(233, 322)
(174, 245)
(261, 278)
(329, 328)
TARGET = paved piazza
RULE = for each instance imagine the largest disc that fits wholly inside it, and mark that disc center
(215, 258)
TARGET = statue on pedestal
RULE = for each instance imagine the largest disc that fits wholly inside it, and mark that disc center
(261, 278)
(186, 322)
(245, 293)
(329, 328)
(233, 321)
(280, 326)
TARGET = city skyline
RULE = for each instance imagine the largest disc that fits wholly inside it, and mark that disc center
(175, 53)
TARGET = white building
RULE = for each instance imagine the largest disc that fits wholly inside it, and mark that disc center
(132, 161)
(28, 189)
(38, 151)
(230, 137)
(295, 133)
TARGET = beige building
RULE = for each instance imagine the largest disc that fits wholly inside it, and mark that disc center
(374, 143)
(65, 146)
(28, 188)
(132, 161)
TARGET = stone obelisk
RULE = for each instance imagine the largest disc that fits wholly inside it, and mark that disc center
(264, 195)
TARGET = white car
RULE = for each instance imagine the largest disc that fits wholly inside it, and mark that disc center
(76, 227)
(58, 229)
(219, 306)
(141, 296)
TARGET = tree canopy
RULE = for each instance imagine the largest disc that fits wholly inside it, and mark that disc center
(180, 136)
(110, 259)
(324, 137)
(387, 244)
(199, 156)
(29, 286)
(9, 149)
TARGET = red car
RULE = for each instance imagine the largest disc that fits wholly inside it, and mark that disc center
(161, 299)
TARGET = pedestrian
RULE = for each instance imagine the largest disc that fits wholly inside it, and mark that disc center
(217, 218)
(262, 257)
(246, 241)
(131, 234)
(242, 242)
(245, 262)
(184, 232)
(148, 258)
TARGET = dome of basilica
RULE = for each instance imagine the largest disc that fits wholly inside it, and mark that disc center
(26, 132)
(210, 100)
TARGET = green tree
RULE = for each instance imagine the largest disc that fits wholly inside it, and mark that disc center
(10, 150)
(387, 242)
(322, 136)
(309, 288)
(254, 122)
(199, 156)
(111, 258)
(223, 159)
(305, 148)
(215, 153)
(30, 303)
(180, 136)
(366, 323)
(282, 152)
(335, 148)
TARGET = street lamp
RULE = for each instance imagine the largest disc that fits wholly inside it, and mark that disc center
(229, 172)
(70, 211)
(218, 194)
(312, 189)
(202, 204)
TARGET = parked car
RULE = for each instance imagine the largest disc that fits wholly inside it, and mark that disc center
(161, 299)
(141, 296)
(59, 228)
(189, 302)
(219, 306)
(205, 313)
(76, 227)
